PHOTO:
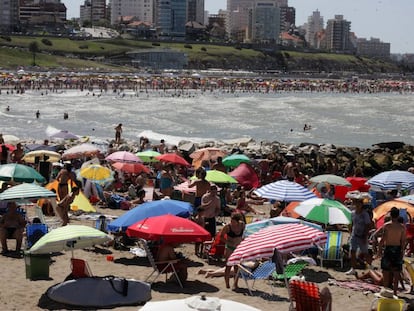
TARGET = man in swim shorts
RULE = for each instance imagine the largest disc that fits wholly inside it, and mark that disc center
(391, 248)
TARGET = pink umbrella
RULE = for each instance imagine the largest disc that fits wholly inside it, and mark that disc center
(286, 238)
(123, 156)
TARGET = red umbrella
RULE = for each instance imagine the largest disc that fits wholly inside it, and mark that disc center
(132, 168)
(286, 238)
(169, 229)
(9, 147)
(172, 158)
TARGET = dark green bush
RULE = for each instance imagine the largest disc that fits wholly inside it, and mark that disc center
(46, 41)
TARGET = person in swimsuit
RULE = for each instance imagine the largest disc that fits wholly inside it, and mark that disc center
(63, 178)
(232, 233)
(391, 247)
(201, 184)
(12, 226)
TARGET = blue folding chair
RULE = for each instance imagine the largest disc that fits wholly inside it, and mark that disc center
(262, 272)
(332, 251)
(34, 232)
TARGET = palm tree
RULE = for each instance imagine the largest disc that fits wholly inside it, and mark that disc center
(34, 48)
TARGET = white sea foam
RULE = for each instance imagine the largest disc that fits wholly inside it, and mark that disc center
(341, 119)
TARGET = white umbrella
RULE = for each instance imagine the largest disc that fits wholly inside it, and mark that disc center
(10, 139)
(42, 155)
(197, 303)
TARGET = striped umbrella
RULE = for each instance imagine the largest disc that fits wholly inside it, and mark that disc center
(286, 238)
(390, 180)
(26, 191)
(20, 173)
(69, 237)
(324, 211)
(284, 190)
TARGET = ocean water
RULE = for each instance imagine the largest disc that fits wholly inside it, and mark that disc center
(341, 119)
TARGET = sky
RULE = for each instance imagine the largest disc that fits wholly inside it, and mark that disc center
(388, 20)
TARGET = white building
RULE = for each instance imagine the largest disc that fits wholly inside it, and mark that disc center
(142, 9)
(313, 27)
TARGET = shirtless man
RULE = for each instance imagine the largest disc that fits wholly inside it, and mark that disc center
(12, 227)
(391, 247)
(201, 184)
(166, 253)
(17, 154)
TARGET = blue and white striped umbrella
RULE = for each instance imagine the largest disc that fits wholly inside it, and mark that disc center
(390, 180)
(26, 191)
(284, 190)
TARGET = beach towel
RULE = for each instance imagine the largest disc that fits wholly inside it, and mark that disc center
(356, 285)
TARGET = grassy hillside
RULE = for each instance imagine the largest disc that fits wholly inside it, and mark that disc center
(80, 54)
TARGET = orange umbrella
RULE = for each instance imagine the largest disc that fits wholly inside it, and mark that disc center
(289, 210)
(385, 207)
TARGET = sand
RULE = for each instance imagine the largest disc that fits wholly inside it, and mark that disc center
(19, 293)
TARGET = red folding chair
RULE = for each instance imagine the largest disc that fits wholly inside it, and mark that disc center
(80, 268)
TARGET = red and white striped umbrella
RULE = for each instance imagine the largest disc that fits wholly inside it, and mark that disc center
(286, 238)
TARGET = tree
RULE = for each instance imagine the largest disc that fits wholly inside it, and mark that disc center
(34, 48)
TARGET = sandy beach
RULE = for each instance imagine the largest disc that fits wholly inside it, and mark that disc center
(19, 293)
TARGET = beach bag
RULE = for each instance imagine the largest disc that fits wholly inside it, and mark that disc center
(114, 201)
(125, 205)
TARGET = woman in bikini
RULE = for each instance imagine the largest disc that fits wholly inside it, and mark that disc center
(232, 233)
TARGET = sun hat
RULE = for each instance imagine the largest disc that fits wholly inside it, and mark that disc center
(386, 293)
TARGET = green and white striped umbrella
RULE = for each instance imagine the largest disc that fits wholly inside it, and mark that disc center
(26, 192)
(69, 237)
(324, 211)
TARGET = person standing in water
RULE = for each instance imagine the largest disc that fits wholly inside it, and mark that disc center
(37, 114)
(118, 132)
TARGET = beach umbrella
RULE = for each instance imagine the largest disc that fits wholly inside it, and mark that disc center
(80, 151)
(168, 229)
(148, 156)
(10, 147)
(69, 237)
(132, 168)
(95, 172)
(150, 209)
(42, 155)
(10, 139)
(32, 147)
(285, 238)
(123, 156)
(391, 180)
(246, 176)
(331, 179)
(20, 173)
(407, 198)
(172, 158)
(63, 134)
(385, 207)
(324, 211)
(279, 220)
(208, 153)
(289, 210)
(219, 177)
(234, 160)
(196, 303)
(284, 190)
(26, 191)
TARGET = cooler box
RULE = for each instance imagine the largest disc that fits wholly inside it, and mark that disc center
(37, 266)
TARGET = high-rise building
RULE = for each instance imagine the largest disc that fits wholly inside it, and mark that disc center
(170, 18)
(264, 22)
(195, 11)
(237, 20)
(337, 34)
(313, 27)
(93, 11)
(9, 15)
(287, 17)
(41, 11)
(373, 48)
(142, 9)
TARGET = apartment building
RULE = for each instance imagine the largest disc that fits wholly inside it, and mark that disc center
(143, 10)
(313, 27)
(337, 34)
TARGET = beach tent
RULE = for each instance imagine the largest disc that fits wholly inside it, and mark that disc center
(246, 176)
(81, 202)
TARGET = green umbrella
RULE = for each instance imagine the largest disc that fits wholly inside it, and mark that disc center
(234, 160)
(20, 173)
(148, 156)
(220, 177)
(26, 191)
(324, 211)
(69, 237)
(331, 179)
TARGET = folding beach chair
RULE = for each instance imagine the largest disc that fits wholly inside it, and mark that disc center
(34, 232)
(159, 267)
(305, 296)
(80, 268)
(292, 269)
(262, 272)
(332, 250)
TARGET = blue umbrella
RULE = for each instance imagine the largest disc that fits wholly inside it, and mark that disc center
(150, 209)
(279, 220)
(390, 180)
(284, 190)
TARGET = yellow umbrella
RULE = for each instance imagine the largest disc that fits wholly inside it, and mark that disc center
(95, 172)
(42, 155)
